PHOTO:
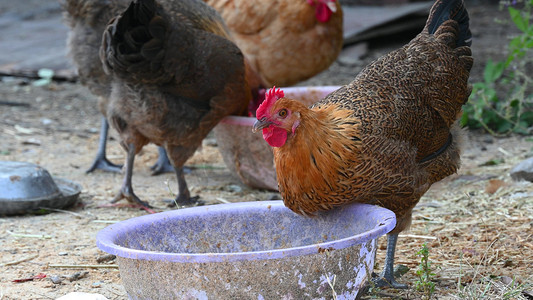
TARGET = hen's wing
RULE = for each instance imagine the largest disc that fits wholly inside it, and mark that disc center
(415, 93)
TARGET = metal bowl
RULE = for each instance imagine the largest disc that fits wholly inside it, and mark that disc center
(247, 250)
(27, 187)
(247, 155)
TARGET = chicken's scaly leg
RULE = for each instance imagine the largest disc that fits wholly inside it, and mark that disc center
(184, 196)
(126, 191)
(386, 278)
(162, 164)
(100, 161)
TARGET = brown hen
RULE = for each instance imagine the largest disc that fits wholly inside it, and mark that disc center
(386, 137)
(87, 20)
(285, 41)
(175, 76)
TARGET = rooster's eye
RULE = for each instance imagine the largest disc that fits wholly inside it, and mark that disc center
(282, 113)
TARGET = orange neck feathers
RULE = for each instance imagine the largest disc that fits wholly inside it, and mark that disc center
(312, 157)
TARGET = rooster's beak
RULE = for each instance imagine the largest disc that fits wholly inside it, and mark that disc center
(260, 124)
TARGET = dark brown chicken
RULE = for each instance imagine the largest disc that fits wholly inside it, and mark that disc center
(175, 75)
(87, 20)
(383, 139)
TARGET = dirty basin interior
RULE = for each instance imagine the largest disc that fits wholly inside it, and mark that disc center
(246, 154)
(247, 250)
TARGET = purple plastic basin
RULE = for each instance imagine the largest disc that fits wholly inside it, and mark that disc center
(247, 250)
(246, 154)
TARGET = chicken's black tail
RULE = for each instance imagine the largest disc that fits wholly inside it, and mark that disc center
(133, 44)
(444, 10)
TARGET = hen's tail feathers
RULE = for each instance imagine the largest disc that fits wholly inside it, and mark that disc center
(461, 61)
(444, 10)
(133, 44)
(448, 22)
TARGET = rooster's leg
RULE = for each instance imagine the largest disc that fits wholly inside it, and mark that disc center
(100, 161)
(163, 163)
(184, 196)
(126, 191)
(386, 278)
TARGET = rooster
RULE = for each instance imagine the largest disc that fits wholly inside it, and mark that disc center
(285, 41)
(383, 139)
(175, 75)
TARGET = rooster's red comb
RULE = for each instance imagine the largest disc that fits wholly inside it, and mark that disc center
(270, 98)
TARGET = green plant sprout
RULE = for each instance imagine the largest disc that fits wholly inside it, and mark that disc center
(424, 273)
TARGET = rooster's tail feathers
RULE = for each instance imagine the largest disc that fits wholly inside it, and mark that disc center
(444, 10)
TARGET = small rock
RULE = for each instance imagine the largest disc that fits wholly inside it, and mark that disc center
(76, 276)
(523, 171)
(62, 253)
(93, 130)
(56, 279)
(97, 284)
(105, 258)
(46, 121)
(506, 280)
(211, 142)
(233, 188)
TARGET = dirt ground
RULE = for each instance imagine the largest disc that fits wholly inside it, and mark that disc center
(478, 223)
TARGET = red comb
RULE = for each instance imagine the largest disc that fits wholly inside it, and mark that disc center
(270, 98)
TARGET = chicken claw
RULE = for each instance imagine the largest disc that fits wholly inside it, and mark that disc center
(128, 194)
(386, 278)
(126, 191)
(183, 200)
(184, 196)
(100, 161)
